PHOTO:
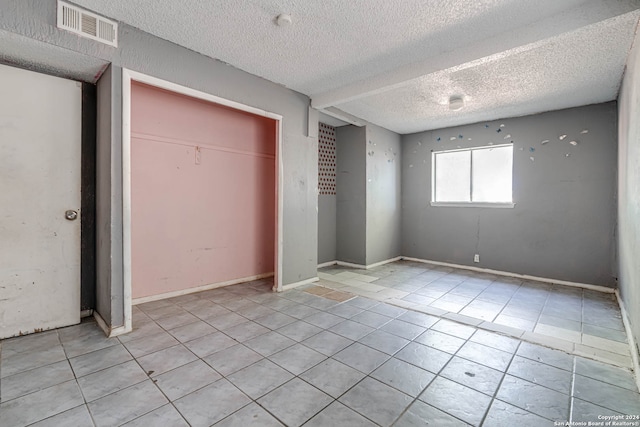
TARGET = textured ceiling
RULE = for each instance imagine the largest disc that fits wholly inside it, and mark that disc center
(554, 74)
(394, 62)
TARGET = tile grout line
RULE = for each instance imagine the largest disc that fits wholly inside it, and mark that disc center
(263, 357)
(453, 355)
(86, 404)
(75, 379)
(582, 323)
(436, 375)
(475, 327)
(449, 292)
(572, 392)
(524, 340)
(509, 300)
(172, 403)
(512, 296)
(546, 300)
(252, 400)
(417, 398)
(152, 381)
(375, 379)
(520, 337)
(495, 393)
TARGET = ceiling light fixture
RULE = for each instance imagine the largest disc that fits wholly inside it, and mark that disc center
(456, 103)
(283, 20)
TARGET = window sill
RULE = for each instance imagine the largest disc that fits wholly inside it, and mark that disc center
(473, 205)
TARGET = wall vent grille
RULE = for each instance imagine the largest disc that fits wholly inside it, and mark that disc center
(87, 24)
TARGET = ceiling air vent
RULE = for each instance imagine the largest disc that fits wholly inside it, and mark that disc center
(87, 24)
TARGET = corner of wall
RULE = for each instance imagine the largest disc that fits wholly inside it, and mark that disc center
(628, 227)
(383, 194)
(351, 194)
(103, 196)
(109, 284)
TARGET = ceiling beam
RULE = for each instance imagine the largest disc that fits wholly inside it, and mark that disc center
(337, 113)
(490, 49)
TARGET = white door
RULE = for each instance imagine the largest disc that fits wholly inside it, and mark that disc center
(40, 148)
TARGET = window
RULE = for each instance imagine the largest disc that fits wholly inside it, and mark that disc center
(476, 176)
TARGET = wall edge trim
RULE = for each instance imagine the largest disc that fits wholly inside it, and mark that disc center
(632, 342)
(101, 323)
(386, 261)
(108, 331)
(327, 264)
(597, 288)
(361, 266)
(300, 283)
(206, 287)
(351, 264)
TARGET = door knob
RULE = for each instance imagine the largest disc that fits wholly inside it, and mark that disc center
(71, 215)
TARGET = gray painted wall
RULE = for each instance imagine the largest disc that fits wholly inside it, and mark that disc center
(383, 210)
(327, 217)
(562, 226)
(351, 189)
(629, 190)
(109, 296)
(139, 51)
(368, 212)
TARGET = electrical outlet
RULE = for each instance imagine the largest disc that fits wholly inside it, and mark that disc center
(476, 258)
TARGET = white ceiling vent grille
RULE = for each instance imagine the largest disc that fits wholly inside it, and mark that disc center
(87, 24)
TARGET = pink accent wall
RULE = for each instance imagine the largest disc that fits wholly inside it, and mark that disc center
(202, 192)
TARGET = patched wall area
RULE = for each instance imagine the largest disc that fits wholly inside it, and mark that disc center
(564, 174)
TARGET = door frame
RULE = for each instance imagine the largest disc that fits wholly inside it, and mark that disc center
(129, 76)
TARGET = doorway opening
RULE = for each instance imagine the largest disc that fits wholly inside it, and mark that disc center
(201, 191)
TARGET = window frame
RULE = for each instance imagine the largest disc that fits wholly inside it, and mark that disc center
(470, 203)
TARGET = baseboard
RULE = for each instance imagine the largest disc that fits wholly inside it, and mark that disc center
(327, 264)
(386, 261)
(208, 287)
(108, 330)
(101, 323)
(597, 288)
(351, 264)
(632, 342)
(300, 283)
(359, 266)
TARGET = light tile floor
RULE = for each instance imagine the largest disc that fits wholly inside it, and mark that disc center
(243, 356)
(580, 321)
